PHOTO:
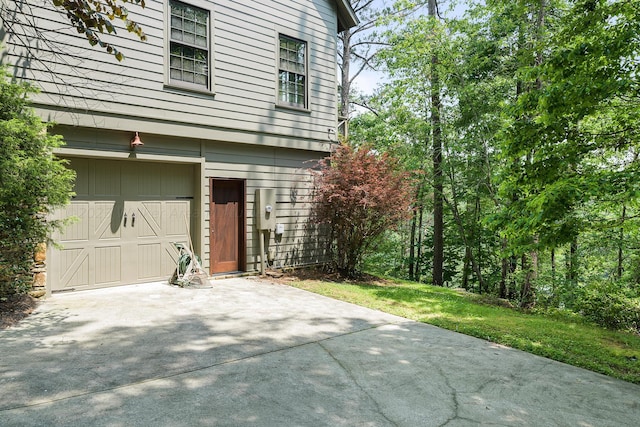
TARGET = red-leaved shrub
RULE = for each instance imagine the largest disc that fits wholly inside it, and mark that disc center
(359, 194)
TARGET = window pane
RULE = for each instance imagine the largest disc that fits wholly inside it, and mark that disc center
(189, 57)
(291, 75)
(201, 79)
(201, 16)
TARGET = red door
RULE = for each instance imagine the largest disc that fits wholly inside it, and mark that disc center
(226, 218)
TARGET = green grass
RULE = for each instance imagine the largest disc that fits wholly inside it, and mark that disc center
(565, 338)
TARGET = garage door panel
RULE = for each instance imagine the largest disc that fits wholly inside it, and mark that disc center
(78, 228)
(107, 220)
(170, 256)
(149, 265)
(177, 214)
(107, 265)
(74, 263)
(107, 178)
(149, 185)
(148, 219)
(81, 185)
(175, 182)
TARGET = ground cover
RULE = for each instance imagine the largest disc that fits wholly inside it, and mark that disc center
(564, 337)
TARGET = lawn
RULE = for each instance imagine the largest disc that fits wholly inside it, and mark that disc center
(563, 337)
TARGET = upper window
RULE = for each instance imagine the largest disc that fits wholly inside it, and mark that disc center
(189, 46)
(292, 72)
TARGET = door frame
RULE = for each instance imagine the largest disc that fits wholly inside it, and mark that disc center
(241, 186)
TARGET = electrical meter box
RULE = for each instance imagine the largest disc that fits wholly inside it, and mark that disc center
(265, 206)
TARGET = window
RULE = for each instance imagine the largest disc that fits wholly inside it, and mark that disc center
(189, 46)
(292, 73)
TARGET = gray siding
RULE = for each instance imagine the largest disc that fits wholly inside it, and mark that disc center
(287, 172)
(235, 131)
(76, 78)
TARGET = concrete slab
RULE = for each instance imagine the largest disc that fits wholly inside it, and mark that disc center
(250, 352)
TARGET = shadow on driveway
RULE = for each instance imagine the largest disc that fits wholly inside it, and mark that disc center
(249, 352)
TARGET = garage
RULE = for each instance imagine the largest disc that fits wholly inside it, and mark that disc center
(124, 219)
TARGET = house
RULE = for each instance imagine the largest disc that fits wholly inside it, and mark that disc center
(200, 135)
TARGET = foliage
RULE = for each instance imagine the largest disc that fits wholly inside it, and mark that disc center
(32, 183)
(570, 143)
(610, 305)
(95, 17)
(541, 154)
(558, 336)
(359, 194)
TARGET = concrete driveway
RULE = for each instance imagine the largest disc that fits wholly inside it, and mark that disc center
(247, 352)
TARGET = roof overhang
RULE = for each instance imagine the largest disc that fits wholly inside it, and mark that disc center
(346, 15)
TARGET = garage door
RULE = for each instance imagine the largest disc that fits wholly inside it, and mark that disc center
(125, 217)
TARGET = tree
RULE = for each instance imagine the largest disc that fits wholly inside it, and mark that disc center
(95, 17)
(436, 138)
(32, 183)
(577, 129)
(416, 57)
(359, 47)
(92, 18)
(359, 194)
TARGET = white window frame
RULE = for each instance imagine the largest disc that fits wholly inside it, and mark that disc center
(178, 83)
(280, 68)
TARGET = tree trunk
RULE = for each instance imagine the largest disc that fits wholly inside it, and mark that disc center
(621, 241)
(465, 269)
(345, 87)
(438, 211)
(419, 255)
(572, 261)
(412, 245)
(468, 248)
(504, 272)
(526, 291)
(553, 270)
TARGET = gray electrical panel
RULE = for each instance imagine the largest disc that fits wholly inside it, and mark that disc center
(265, 206)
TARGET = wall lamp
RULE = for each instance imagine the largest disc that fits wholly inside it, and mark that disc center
(136, 142)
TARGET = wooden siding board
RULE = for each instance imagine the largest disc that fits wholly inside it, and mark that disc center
(147, 106)
(248, 57)
(283, 170)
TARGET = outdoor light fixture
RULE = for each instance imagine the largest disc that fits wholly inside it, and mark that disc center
(136, 142)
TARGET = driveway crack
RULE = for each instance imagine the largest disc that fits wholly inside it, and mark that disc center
(185, 371)
(355, 381)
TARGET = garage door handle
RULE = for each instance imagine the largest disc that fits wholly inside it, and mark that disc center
(125, 220)
(133, 219)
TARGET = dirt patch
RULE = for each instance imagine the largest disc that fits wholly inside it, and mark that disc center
(16, 308)
(321, 275)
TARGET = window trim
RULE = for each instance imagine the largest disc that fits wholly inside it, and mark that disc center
(178, 84)
(281, 104)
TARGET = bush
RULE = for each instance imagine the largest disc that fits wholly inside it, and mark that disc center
(359, 194)
(610, 304)
(32, 183)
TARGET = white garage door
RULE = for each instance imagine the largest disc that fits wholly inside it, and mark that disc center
(125, 217)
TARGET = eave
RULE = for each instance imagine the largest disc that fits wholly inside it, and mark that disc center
(346, 15)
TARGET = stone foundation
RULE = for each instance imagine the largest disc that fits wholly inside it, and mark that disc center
(39, 270)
